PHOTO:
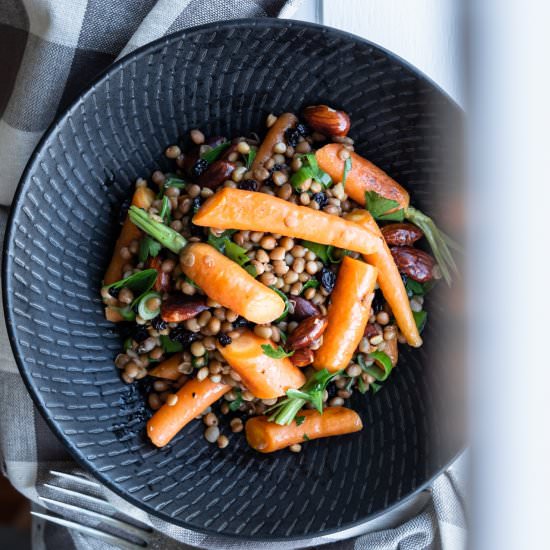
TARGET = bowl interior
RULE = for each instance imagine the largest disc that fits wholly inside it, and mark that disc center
(225, 78)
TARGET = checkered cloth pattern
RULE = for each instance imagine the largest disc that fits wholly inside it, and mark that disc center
(50, 50)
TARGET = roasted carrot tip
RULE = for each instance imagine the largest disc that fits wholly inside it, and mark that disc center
(276, 134)
(249, 210)
(348, 314)
(266, 377)
(168, 368)
(192, 399)
(266, 437)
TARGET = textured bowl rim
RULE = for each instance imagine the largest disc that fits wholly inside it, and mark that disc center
(6, 264)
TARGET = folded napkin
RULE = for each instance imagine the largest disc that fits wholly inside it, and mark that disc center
(50, 50)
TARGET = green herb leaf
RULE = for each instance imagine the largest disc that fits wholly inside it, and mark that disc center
(173, 181)
(165, 209)
(139, 282)
(298, 178)
(420, 318)
(312, 283)
(379, 207)
(234, 405)
(278, 353)
(215, 152)
(220, 242)
(347, 169)
(251, 270)
(236, 253)
(170, 346)
(287, 303)
(148, 247)
(361, 386)
(143, 311)
(250, 158)
(300, 420)
(382, 367)
(306, 437)
(127, 313)
(282, 336)
(375, 387)
(199, 362)
(317, 174)
(414, 288)
(336, 259)
(320, 250)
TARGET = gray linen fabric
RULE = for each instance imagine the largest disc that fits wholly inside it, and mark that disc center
(50, 50)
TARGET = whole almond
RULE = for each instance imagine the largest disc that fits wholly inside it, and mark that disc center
(303, 308)
(327, 121)
(307, 332)
(216, 174)
(178, 308)
(401, 234)
(302, 357)
(414, 263)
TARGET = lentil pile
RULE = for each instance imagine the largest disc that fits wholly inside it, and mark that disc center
(175, 333)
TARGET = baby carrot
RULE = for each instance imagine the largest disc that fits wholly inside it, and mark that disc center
(264, 376)
(276, 134)
(363, 176)
(248, 210)
(348, 314)
(193, 397)
(390, 281)
(265, 436)
(143, 198)
(227, 283)
(168, 368)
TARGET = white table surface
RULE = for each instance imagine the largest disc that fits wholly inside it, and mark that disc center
(426, 33)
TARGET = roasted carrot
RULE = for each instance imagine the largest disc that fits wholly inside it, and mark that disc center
(168, 368)
(220, 278)
(227, 283)
(389, 281)
(193, 397)
(248, 210)
(265, 436)
(112, 314)
(363, 176)
(348, 314)
(143, 198)
(276, 134)
(264, 376)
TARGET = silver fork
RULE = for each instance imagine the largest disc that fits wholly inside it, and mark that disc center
(128, 531)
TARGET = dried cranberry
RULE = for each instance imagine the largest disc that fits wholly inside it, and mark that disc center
(140, 333)
(183, 336)
(302, 129)
(292, 136)
(241, 322)
(114, 292)
(277, 168)
(158, 324)
(328, 279)
(224, 339)
(123, 212)
(197, 203)
(321, 199)
(377, 302)
(199, 167)
(249, 185)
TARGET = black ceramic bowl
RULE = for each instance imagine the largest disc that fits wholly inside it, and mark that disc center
(225, 78)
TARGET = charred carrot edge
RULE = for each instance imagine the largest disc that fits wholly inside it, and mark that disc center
(267, 437)
(143, 198)
(348, 314)
(389, 280)
(249, 210)
(193, 398)
(168, 368)
(363, 176)
(275, 134)
(264, 376)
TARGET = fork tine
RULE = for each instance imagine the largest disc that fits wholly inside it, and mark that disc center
(114, 522)
(106, 537)
(89, 498)
(78, 479)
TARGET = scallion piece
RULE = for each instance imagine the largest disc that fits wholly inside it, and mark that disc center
(143, 310)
